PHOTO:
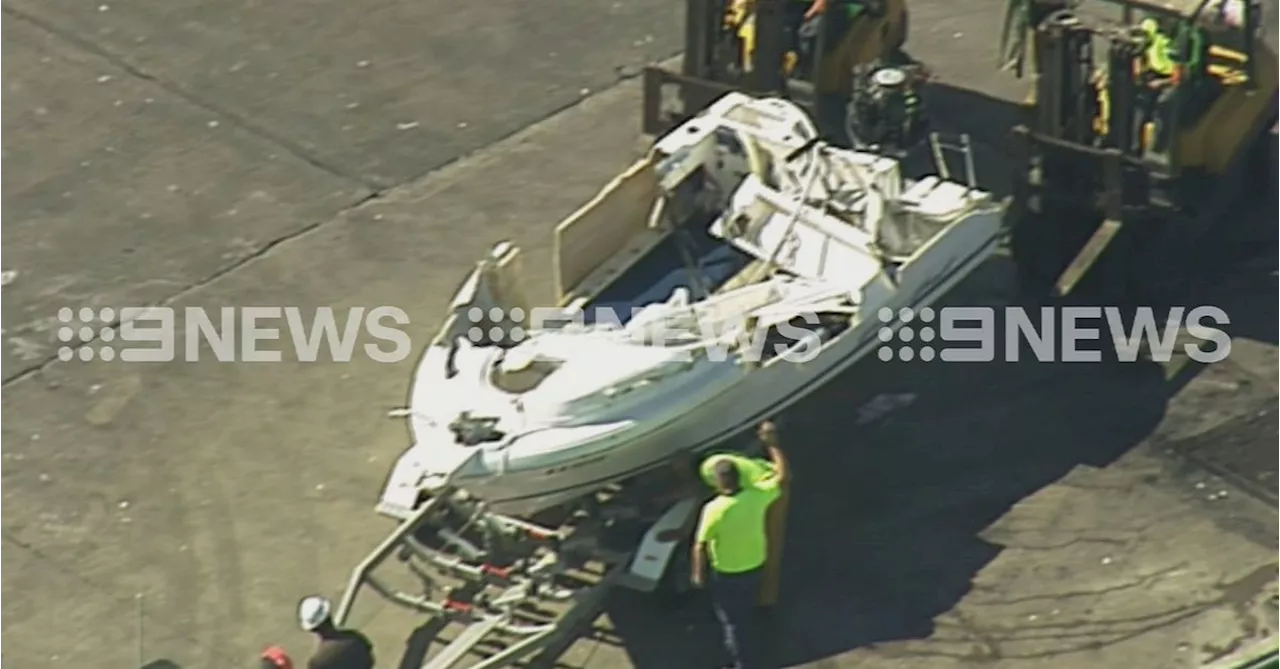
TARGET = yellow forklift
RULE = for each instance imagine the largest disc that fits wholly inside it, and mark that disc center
(770, 47)
(1140, 133)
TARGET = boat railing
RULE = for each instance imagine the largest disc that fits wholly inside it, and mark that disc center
(942, 146)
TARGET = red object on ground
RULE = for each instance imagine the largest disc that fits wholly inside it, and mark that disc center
(455, 605)
(500, 572)
(277, 657)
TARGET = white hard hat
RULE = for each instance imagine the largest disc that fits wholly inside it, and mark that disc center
(313, 611)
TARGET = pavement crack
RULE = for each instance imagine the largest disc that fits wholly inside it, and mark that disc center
(375, 191)
(1138, 582)
(287, 145)
(106, 590)
(259, 253)
(1069, 543)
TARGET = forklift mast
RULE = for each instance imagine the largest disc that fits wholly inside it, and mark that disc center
(1066, 102)
(765, 48)
(711, 55)
(702, 17)
(1119, 114)
(1118, 156)
(767, 74)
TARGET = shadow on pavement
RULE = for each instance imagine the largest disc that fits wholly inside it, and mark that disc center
(886, 517)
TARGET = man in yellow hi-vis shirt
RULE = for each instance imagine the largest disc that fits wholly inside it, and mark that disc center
(773, 472)
(731, 537)
(1159, 77)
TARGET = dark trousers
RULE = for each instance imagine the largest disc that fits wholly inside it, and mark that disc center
(734, 598)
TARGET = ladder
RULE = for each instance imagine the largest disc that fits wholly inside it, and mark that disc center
(960, 144)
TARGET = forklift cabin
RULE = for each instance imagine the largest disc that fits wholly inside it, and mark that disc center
(1152, 159)
(766, 48)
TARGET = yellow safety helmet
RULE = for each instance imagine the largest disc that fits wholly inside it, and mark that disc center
(1149, 26)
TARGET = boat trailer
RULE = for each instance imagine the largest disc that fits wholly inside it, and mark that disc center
(512, 589)
(1261, 654)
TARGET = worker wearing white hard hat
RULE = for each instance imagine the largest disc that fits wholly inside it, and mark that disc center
(338, 648)
(313, 612)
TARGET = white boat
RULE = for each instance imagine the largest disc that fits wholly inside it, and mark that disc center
(761, 260)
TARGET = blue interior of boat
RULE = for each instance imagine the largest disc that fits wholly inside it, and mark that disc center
(655, 276)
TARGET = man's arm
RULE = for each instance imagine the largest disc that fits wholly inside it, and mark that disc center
(698, 565)
(698, 559)
(773, 450)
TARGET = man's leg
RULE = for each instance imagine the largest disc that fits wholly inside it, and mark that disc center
(722, 604)
(733, 597)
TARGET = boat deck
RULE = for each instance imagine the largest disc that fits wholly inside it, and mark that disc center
(654, 277)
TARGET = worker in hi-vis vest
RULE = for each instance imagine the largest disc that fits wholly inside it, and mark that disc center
(739, 536)
(1159, 76)
(760, 472)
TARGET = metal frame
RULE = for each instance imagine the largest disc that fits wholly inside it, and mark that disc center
(1125, 188)
(493, 605)
(703, 77)
(1261, 654)
(1044, 124)
(482, 620)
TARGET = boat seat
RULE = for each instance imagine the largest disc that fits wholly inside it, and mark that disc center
(933, 197)
(926, 209)
(920, 189)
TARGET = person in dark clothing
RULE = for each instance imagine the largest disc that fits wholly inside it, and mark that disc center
(338, 648)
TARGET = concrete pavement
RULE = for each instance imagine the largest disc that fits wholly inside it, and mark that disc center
(1008, 516)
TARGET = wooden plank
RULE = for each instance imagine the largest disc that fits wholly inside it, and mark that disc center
(608, 271)
(602, 229)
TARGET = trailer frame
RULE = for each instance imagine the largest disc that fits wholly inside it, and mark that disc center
(500, 597)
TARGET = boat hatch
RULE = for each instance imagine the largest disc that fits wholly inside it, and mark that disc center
(471, 430)
(521, 370)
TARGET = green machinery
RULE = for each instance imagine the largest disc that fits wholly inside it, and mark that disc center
(1139, 135)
